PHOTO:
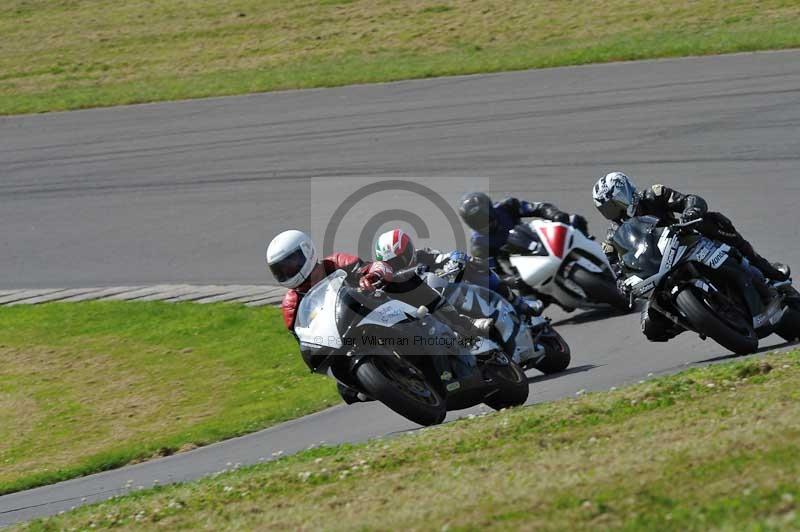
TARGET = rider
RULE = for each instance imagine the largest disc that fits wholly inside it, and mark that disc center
(411, 261)
(617, 199)
(292, 259)
(491, 222)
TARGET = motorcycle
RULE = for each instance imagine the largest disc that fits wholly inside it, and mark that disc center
(703, 285)
(404, 357)
(557, 263)
(532, 343)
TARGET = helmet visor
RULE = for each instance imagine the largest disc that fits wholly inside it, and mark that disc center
(618, 202)
(289, 266)
(404, 260)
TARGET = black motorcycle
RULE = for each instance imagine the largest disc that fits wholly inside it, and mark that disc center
(704, 286)
(404, 357)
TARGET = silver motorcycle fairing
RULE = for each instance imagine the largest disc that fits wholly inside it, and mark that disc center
(315, 323)
(389, 314)
(475, 300)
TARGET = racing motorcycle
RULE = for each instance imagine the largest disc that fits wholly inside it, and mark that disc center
(557, 263)
(532, 343)
(404, 357)
(703, 286)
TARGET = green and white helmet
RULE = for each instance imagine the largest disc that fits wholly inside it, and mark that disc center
(396, 248)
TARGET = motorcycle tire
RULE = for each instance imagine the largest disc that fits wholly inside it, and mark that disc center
(601, 289)
(557, 354)
(789, 326)
(385, 379)
(514, 388)
(705, 321)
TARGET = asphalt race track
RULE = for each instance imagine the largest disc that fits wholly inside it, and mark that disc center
(188, 192)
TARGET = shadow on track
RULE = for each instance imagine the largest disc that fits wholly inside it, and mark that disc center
(731, 356)
(592, 315)
(568, 371)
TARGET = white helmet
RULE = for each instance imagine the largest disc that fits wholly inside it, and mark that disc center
(291, 258)
(615, 196)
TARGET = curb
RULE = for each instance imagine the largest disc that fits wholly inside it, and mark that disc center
(249, 295)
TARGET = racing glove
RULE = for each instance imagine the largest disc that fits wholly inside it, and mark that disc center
(691, 214)
(561, 217)
(375, 275)
(579, 222)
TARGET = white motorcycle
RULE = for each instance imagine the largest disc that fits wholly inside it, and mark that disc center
(559, 264)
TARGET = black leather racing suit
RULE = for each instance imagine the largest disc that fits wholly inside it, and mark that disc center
(475, 271)
(668, 205)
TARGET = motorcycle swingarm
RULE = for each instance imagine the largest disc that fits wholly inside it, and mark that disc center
(671, 316)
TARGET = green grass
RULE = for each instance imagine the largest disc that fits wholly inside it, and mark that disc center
(87, 53)
(709, 449)
(92, 386)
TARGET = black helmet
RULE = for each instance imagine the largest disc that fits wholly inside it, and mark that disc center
(476, 210)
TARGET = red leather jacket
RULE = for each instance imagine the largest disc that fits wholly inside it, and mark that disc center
(338, 261)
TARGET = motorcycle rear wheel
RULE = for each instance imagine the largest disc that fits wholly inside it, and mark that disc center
(557, 357)
(789, 326)
(514, 388)
(403, 388)
(600, 289)
(705, 320)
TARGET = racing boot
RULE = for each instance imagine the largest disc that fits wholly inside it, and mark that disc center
(527, 307)
(773, 271)
(760, 283)
(785, 270)
(463, 324)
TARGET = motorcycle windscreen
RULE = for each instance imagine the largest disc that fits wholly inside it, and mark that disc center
(636, 241)
(316, 317)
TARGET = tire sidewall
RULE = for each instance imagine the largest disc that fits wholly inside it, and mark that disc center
(704, 321)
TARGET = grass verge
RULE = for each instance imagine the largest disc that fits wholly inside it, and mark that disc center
(88, 53)
(92, 386)
(708, 449)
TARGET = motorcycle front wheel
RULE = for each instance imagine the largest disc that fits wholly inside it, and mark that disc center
(731, 329)
(789, 326)
(402, 387)
(600, 289)
(513, 385)
(557, 354)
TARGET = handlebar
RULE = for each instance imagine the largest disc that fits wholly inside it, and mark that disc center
(683, 225)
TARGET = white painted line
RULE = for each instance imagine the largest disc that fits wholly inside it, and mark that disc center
(277, 293)
(98, 293)
(253, 295)
(25, 294)
(4, 293)
(136, 294)
(240, 293)
(173, 291)
(52, 297)
(200, 292)
(273, 300)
